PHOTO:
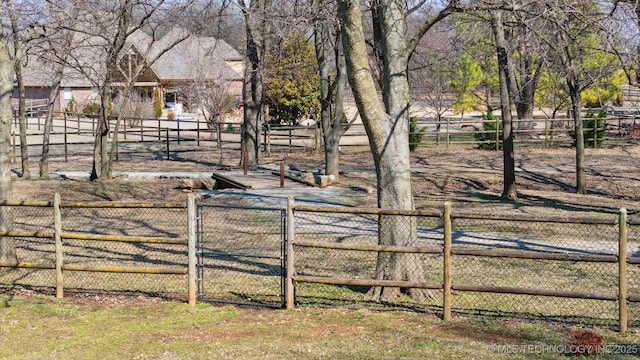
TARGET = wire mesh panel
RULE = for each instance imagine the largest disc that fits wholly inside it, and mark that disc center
(38, 251)
(567, 240)
(327, 258)
(155, 222)
(633, 271)
(240, 254)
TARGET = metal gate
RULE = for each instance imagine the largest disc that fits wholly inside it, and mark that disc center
(240, 253)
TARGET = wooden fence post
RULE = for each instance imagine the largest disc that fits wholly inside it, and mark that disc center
(265, 135)
(13, 146)
(446, 292)
(167, 137)
(448, 122)
(57, 225)
(219, 142)
(66, 139)
(245, 165)
(268, 141)
(192, 269)
(282, 173)
(178, 125)
(622, 270)
(289, 263)
(316, 138)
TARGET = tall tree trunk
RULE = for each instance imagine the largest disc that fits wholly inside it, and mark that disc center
(576, 105)
(330, 116)
(257, 32)
(53, 95)
(18, 54)
(509, 176)
(105, 156)
(526, 93)
(22, 120)
(119, 119)
(387, 127)
(7, 245)
(101, 160)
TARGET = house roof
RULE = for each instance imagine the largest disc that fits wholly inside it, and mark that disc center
(177, 56)
(194, 57)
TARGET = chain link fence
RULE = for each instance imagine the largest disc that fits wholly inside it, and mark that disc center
(100, 249)
(37, 250)
(240, 254)
(633, 271)
(556, 269)
(586, 238)
(154, 222)
(342, 247)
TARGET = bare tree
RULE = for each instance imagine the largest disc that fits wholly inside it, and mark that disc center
(509, 176)
(626, 10)
(216, 100)
(327, 37)
(105, 29)
(579, 34)
(431, 79)
(7, 70)
(18, 53)
(527, 52)
(53, 47)
(23, 18)
(257, 26)
(387, 122)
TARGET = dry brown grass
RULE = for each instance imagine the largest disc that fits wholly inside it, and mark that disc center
(469, 178)
(545, 178)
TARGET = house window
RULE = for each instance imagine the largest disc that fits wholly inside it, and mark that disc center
(67, 97)
(94, 94)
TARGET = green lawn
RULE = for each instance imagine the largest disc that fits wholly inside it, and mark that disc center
(139, 328)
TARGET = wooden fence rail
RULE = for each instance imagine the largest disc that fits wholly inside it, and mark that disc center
(76, 129)
(58, 235)
(292, 245)
(448, 251)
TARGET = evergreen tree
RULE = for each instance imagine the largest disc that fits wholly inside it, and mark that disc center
(292, 82)
(157, 103)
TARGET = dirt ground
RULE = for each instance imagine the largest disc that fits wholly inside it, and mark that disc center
(470, 179)
(545, 178)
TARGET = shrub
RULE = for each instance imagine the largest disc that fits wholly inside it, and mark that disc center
(157, 104)
(73, 105)
(135, 108)
(171, 115)
(487, 137)
(91, 109)
(415, 134)
(593, 128)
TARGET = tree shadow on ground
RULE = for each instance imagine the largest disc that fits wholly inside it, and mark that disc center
(528, 200)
